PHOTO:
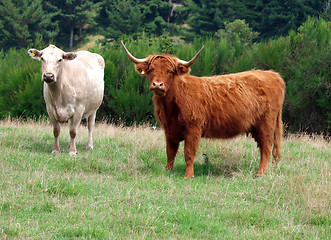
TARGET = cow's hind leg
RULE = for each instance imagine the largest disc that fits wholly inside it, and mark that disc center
(56, 132)
(172, 148)
(90, 126)
(277, 138)
(263, 134)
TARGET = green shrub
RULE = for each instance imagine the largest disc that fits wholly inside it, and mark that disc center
(21, 93)
(302, 58)
(308, 78)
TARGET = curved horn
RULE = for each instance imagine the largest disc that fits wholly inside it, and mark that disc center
(132, 58)
(190, 63)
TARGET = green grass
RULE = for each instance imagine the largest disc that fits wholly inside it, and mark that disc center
(120, 190)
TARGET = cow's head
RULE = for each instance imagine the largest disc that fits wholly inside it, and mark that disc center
(161, 70)
(51, 61)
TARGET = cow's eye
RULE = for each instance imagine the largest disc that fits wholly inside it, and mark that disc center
(42, 59)
(60, 60)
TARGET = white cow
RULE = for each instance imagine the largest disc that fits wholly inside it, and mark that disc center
(73, 89)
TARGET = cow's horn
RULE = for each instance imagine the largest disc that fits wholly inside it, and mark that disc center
(190, 63)
(132, 58)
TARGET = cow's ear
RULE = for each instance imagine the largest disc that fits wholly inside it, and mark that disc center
(34, 53)
(181, 69)
(69, 56)
(141, 68)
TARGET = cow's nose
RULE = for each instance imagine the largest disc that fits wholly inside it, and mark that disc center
(158, 88)
(48, 77)
(157, 85)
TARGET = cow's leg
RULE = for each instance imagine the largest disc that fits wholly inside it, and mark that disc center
(264, 136)
(73, 126)
(90, 125)
(172, 148)
(192, 140)
(277, 138)
(56, 132)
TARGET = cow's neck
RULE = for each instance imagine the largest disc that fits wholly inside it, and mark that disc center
(165, 106)
(165, 101)
(61, 110)
(55, 91)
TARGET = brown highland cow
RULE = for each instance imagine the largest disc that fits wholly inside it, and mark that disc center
(190, 107)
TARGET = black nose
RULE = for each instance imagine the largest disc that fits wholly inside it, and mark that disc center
(48, 77)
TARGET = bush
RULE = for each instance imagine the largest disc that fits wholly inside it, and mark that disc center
(302, 58)
(308, 77)
(238, 29)
(21, 89)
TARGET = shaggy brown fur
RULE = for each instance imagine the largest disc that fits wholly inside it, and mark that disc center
(190, 107)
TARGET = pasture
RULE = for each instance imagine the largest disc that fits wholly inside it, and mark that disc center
(120, 189)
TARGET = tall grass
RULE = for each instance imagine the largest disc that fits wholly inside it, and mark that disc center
(120, 189)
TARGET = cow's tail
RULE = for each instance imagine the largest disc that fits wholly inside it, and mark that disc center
(278, 134)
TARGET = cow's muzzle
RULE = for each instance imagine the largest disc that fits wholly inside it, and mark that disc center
(157, 88)
(48, 77)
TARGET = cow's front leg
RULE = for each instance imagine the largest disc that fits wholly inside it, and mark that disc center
(90, 125)
(56, 132)
(73, 126)
(172, 148)
(72, 147)
(192, 140)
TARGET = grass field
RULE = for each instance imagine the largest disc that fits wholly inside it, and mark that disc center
(120, 190)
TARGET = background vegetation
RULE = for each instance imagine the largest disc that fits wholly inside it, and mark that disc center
(120, 190)
(237, 36)
(302, 58)
(68, 22)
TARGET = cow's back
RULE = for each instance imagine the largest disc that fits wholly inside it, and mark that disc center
(94, 65)
(228, 105)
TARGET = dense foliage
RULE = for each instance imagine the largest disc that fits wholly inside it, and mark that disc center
(68, 22)
(22, 22)
(302, 58)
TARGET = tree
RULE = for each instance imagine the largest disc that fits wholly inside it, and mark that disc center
(325, 10)
(22, 21)
(113, 20)
(201, 18)
(270, 18)
(155, 16)
(72, 15)
(206, 17)
(278, 17)
(152, 17)
(237, 29)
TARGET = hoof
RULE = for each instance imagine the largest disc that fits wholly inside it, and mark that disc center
(55, 152)
(89, 147)
(189, 177)
(72, 153)
(169, 169)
